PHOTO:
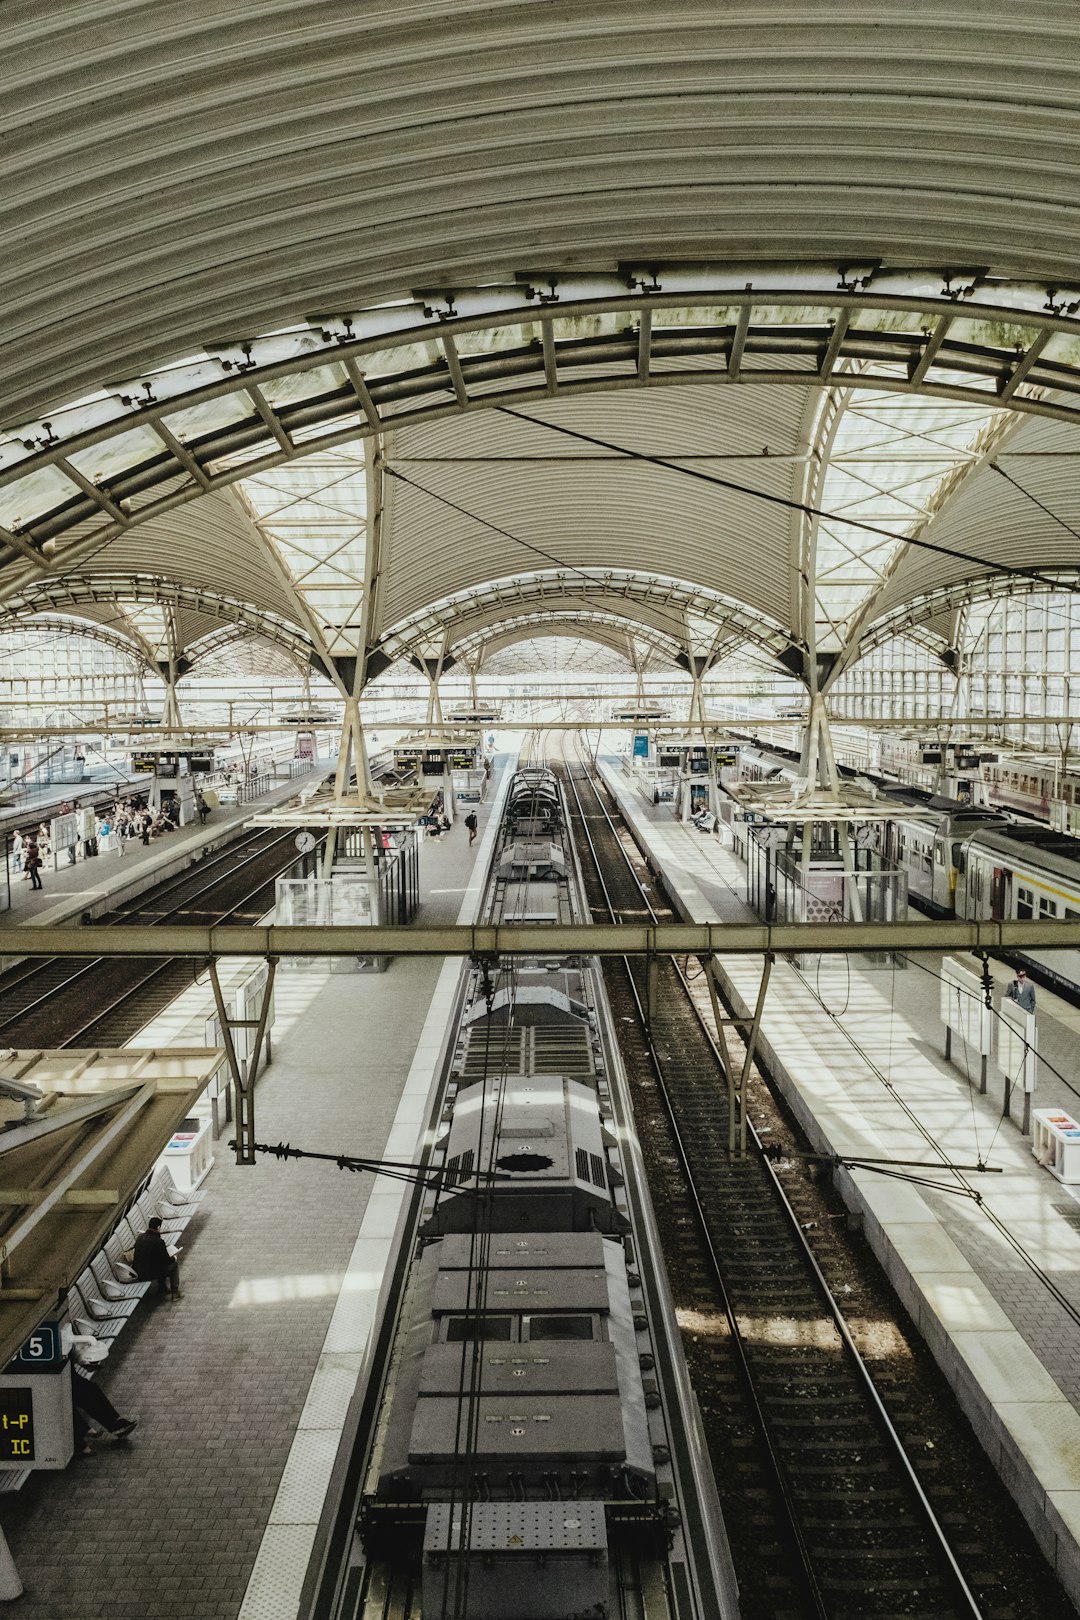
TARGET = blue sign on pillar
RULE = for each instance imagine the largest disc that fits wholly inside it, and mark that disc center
(641, 746)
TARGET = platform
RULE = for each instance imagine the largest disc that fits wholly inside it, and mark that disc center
(240, 1389)
(859, 1053)
(100, 884)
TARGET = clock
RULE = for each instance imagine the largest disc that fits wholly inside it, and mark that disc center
(305, 841)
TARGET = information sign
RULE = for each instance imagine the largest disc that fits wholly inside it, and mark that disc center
(963, 1006)
(65, 831)
(41, 1350)
(641, 745)
(16, 1425)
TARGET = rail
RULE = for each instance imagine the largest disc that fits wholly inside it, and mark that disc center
(48, 981)
(962, 1592)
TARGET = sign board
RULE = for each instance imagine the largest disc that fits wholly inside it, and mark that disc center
(36, 1428)
(144, 764)
(87, 823)
(201, 764)
(17, 1425)
(65, 831)
(963, 1007)
(641, 745)
(42, 1349)
(1018, 1056)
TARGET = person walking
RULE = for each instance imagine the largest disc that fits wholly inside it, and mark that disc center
(471, 823)
(33, 862)
(1022, 992)
(155, 1261)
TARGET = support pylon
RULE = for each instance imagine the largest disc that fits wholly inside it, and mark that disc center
(11, 1586)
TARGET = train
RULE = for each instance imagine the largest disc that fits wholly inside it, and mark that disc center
(974, 863)
(523, 1463)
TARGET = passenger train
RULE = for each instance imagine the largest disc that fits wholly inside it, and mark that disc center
(972, 863)
(525, 1454)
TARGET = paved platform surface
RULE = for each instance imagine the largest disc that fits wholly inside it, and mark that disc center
(68, 890)
(167, 1525)
(859, 1051)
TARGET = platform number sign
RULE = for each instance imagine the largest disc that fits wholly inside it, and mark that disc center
(41, 1349)
(16, 1426)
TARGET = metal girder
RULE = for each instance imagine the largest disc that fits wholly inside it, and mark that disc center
(551, 371)
(539, 939)
(363, 394)
(99, 497)
(262, 405)
(977, 725)
(820, 303)
(449, 348)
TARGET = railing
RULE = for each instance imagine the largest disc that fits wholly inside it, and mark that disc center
(255, 788)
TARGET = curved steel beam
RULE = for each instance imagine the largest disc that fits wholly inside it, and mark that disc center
(609, 630)
(91, 470)
(128, 642)
(656, 603)
(71, 591)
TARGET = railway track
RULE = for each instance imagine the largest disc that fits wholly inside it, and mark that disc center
(104, 1002)
(826, 1513)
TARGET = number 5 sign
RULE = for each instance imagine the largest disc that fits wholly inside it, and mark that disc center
(42, 1349)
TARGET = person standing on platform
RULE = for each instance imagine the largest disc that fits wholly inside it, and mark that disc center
(155, 1262)
(1022, 992)
(33, 862)
(18, 846)
(471, 823)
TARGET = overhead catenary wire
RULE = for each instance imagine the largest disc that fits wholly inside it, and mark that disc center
(789, 502)
(590, 577)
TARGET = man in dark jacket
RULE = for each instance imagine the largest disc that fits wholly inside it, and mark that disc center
(154, 1263)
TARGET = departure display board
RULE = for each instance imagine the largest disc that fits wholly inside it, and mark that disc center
(16, 1426)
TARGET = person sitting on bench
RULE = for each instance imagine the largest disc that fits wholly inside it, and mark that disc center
(155, 1262)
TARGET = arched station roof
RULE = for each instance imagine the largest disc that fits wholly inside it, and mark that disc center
(485, 267)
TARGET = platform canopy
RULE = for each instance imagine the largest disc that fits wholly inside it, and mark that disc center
(394, 332)
(79, 1132)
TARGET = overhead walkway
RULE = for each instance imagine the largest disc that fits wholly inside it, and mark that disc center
(859, 1053)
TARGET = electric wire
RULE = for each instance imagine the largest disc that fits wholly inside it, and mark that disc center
(789, 503)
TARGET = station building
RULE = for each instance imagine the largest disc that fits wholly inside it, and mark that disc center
(395, 396)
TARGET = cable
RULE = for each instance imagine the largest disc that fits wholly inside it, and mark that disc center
(994, 467)
(527, 545)
(789, 503)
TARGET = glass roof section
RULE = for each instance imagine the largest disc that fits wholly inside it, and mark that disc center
(890, 458)
(557, 655)
(313, 512)
(112, 457)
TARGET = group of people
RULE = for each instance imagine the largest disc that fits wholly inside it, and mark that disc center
(438, 823)
(113, 828)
